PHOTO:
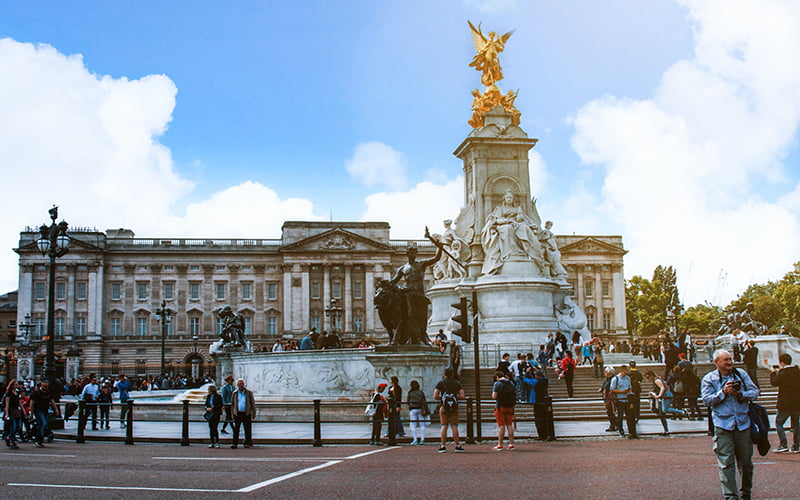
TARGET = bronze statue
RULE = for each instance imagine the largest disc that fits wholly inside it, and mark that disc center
(232, 332)
(404, 310)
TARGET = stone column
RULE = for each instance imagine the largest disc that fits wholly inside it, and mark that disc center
(305, 291)
(70, 319)
(326, 295)
(369, 294)
(287, 297)
(618, 287)
(580, 291)
(598, 292)
(348, 300)
(25, 297)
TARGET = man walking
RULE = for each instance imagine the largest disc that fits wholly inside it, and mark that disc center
(787, 378)
(621, 391)
(227, 393)
(728, 391)
(448, 391)
(123, 385)
(89, 396)
(40, 402)
(504, 395)
(243, 407)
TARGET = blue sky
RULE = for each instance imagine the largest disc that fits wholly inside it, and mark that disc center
(656, 120)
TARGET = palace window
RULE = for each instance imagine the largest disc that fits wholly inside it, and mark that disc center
(38, 290)
(357, 324)
(358, 290)
(169, 291)
(590, 320)
(61, 290)
(194, 291)
(141, 326)
(246, 291)
(80, 326)
(220, 291)
(248, 325)
(336, 289)
(115, 327)
(588, 288)
(116, 291)
(141, 291)
(316, 320)
(315, 294)
(272, 291)
(272, 325)
(38, 330)
(80, 290)
(608, 314)
(60, 327)
(194, 326)
(606, 289)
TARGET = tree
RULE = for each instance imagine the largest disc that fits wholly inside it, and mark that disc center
(647, 301)
(703, 319)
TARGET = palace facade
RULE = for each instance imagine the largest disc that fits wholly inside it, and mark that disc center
(110, 287)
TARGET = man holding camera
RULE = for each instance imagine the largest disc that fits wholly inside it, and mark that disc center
(728, 392)
(787, 377)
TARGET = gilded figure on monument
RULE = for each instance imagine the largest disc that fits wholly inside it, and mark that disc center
(487, 59)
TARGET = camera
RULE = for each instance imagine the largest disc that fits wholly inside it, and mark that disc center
(737, 386)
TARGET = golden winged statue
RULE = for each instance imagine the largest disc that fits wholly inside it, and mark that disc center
(487, 59)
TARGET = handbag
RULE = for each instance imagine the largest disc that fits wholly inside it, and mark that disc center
(678, 387)
(371, 409)
(208, 415)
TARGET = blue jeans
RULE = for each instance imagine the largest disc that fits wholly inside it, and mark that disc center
(41, 421)
(780, 419)
(734, 448)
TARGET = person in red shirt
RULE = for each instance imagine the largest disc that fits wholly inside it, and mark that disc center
(568, 366)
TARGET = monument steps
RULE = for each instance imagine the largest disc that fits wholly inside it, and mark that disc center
(587, 403)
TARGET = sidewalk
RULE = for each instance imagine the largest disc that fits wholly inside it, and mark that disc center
(357, 433)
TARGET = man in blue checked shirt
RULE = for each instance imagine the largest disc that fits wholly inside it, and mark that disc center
(728, 392)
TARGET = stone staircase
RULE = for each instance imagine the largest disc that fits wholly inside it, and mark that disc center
(587, 403)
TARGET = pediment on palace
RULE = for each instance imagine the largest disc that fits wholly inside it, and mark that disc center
(336, 240)
(591, 245)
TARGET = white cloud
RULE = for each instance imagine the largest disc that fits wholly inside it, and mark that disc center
(426, 204)
(493, 6)
(683, 169)
(89, 144)
(376, 164)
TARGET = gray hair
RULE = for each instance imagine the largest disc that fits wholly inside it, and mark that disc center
(609, 369)
(720, 352)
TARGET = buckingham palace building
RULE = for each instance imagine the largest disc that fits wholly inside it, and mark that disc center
(110, 287)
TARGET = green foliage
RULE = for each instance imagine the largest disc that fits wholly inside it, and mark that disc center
(647, 301)
(774, 303)
(703, 320)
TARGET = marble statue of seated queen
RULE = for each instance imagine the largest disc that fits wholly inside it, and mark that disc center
(509, 233)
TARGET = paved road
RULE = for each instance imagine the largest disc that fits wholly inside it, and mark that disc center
(651, 468)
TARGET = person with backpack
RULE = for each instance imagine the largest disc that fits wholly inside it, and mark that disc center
(505, 397)
(568, 367)
(728, 392)
(448, 391)
(378, 410)
(786, 377)
(621, 390)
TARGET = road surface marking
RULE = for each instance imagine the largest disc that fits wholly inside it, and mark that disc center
(35, 455)
(246, 489)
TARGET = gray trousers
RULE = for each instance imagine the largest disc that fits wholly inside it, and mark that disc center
(780, 419)
(734, 450)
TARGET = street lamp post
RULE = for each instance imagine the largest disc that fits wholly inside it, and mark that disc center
(334, 311)
(165, 316)
(53, 243)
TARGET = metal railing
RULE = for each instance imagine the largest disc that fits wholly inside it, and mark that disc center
(305, 413)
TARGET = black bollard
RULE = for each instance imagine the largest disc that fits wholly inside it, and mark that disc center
(185, 429)
(470, 423)
(81, 422)
(551, 424)
(392, 423)
(129, 425)
(317, 424)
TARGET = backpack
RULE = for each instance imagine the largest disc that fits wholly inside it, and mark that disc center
(506, 395)
(759, 423)
(448, 398)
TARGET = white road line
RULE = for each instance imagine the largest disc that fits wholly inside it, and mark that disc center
(137, 488)
(246, 489)
(34, 455)
(253, 459)
(278, 479)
